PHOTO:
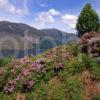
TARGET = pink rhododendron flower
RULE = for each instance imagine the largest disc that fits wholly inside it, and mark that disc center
(17, 78)
(10, 87)
(31, 83)
(25, 72)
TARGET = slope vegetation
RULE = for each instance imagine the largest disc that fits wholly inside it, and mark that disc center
(61, 73)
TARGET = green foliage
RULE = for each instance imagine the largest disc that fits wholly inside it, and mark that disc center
(48, 91)
(87, 61)
(74, 48)
(98, 43)
(91, 64)
(99, 27)
(80, 64)
(8, 97)
(74, 89)
(88, 20)
(95, 68)
(5, 61)
(96, 71)
(76, 67)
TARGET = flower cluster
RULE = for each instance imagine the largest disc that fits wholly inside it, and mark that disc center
(10, 87)
(57, 54)
(27, 86)
(58, 67)
(24, 60)
(22, 69)
(90, 44)
(25, 72)
(22, 74)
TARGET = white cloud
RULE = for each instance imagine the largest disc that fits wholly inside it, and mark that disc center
(44, 18)
(42, 3)
(6, 5)
(70, 20)
(48, 16)
(53, 12)
(64, 22)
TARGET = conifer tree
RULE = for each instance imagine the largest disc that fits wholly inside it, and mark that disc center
(88, 20)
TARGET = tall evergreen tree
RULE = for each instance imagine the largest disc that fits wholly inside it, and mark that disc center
(88, 20)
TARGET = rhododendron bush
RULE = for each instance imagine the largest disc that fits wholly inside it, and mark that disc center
(22, 74)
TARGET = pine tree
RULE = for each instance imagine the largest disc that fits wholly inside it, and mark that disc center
(88, 21)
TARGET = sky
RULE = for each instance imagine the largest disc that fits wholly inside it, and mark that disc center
(43, 14)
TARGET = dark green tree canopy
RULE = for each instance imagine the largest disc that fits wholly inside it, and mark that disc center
(88, 20)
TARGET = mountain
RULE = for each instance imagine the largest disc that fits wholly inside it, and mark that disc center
(59, 35)
(24, 39)
(17, 28)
